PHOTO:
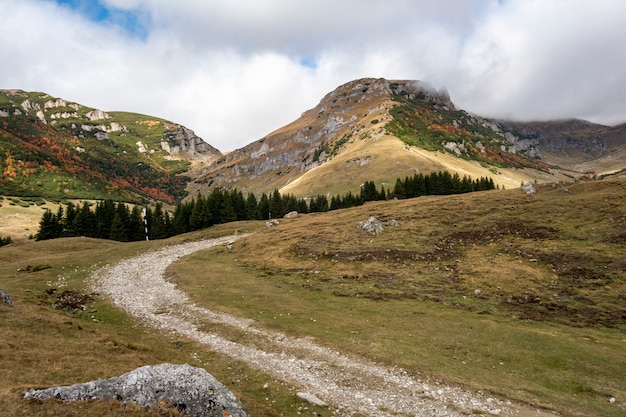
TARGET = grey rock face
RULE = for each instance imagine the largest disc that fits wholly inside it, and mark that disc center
(191, 390)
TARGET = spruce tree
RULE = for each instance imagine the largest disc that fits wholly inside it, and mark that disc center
(252, 207)
(48, 226)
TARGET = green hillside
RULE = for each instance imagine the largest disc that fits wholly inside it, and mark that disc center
(61, 150)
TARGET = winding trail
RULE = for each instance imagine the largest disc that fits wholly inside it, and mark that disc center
(351, 386)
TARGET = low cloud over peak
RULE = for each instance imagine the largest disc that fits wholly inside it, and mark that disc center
(234, 71)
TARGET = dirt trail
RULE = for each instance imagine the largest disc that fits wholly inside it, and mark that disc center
(351, 386)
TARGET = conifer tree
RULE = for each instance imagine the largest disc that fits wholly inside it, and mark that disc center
(118, 229)
(48, 226)
(264, 207)
(136, 227)
(252, 207)
(68, 221)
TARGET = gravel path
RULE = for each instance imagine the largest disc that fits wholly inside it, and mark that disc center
(351, 386)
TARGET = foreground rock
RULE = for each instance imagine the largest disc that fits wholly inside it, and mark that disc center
(191, 390)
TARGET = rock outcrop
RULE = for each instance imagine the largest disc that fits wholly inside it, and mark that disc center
(191, 390)
(372, 226)
(184, 140)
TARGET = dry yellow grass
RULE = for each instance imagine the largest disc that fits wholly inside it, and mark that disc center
(21, 222)
(42, 346)
(521, 296)
(546, 327)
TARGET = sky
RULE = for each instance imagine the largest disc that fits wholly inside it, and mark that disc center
(235, 70)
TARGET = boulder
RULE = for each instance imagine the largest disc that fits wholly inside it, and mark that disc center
(291, 215)
(372, 226)
(191, 390)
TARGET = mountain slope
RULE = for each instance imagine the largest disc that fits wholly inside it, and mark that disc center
(54, 148)
(376, 129)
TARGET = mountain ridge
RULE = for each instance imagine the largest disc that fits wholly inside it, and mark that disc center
(370, 129)
(378, 129)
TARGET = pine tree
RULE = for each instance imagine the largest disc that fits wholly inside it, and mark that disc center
(277, 207)
(104, 213)
(84, 221)
(398, 189)
(252, 208)
(196, 219)
(118, 229)
(156, 225)
(68, 221)
(48, 226)
(368, 191)
(264, 207)
(136, 226)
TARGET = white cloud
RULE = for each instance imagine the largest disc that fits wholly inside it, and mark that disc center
(232, 71)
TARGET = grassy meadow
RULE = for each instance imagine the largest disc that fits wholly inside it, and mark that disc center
(523, 297)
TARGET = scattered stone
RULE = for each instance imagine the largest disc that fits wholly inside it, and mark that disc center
(4, 298)
(372, 226)
(291, 215)
(529, 188)
(70, 300)
(191, 390)
(393, 223)
(311, 398)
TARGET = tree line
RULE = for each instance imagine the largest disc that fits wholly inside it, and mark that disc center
(117, 221)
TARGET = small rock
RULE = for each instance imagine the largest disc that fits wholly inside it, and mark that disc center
(4, 298)
(372, 225)
(271, 223)
(311, 398)
(529, 188)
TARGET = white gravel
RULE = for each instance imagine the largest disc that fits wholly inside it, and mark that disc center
(351, 386)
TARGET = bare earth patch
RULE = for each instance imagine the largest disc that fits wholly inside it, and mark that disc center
(351, 386)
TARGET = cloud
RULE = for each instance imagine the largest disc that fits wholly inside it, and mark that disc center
(234, 71)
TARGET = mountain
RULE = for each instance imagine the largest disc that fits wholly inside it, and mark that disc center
(578, 145)
(53, 148)
(365, 130)
(380, 130)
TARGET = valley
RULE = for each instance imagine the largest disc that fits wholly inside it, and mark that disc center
(496, 302)
(518, 297)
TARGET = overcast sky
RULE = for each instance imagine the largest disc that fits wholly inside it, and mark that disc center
(235, 70)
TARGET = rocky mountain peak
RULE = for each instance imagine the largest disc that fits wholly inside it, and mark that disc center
(367, 89)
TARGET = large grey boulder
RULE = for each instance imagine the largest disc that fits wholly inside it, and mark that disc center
(191, 390)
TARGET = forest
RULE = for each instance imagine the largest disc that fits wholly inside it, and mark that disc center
(119, 221)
